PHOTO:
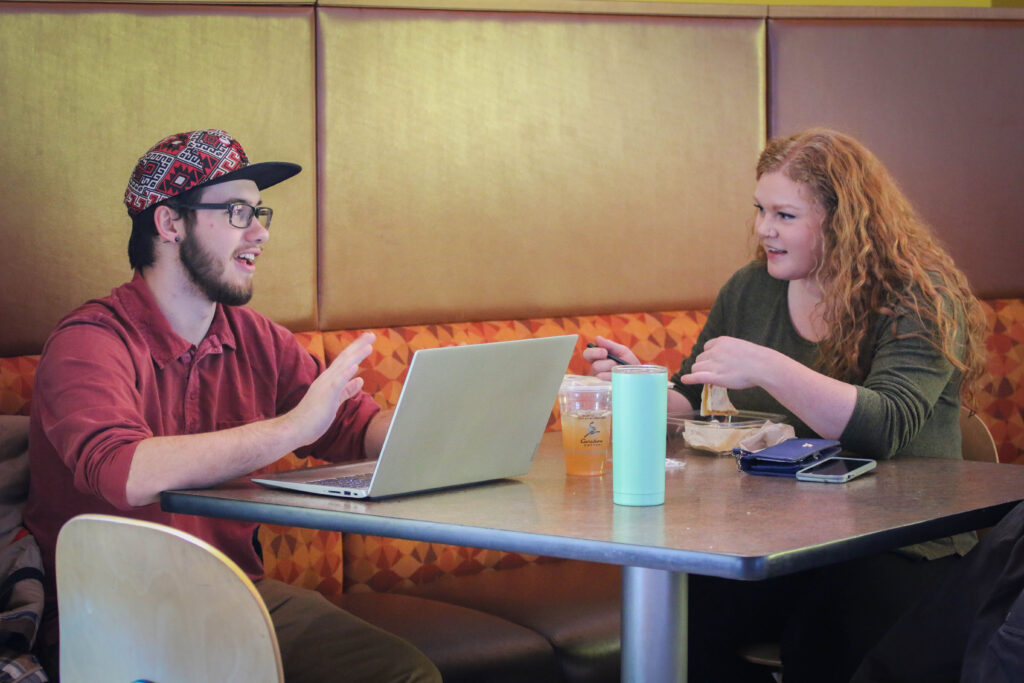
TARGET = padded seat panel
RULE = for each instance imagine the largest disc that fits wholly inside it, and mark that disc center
(466, 645)
(575, 605)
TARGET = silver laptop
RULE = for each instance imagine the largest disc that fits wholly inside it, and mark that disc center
(467, 414)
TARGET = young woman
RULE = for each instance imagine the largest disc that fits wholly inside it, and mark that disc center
(852, 319)
(855, 323)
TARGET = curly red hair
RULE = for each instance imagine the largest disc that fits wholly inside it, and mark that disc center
(878, 258)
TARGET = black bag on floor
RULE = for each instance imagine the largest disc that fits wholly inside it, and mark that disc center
(969, 627)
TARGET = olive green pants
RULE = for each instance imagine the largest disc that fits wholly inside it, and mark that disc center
(321, 642)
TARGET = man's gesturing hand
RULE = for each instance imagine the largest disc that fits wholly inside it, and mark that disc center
(318, 408)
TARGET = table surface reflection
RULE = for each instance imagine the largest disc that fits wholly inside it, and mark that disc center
(715, 521)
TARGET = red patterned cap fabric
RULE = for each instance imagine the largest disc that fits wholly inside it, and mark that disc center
(185, 161)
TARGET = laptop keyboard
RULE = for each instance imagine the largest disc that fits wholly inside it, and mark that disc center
(350, 481)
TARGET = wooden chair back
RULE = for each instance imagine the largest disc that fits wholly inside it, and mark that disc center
(978, 443)
(142, 601)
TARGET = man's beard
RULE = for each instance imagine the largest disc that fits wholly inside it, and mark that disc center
(207, 274)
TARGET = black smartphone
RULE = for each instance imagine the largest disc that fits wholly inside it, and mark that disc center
(836, 470)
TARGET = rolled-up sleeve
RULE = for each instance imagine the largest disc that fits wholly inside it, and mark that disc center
(87, 403)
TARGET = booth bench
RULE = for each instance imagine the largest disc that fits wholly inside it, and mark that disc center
(483, 613)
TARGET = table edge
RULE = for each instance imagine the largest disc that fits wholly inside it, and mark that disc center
(750, 568)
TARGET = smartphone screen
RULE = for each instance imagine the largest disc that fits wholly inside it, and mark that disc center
(836, 470)
(835, 466)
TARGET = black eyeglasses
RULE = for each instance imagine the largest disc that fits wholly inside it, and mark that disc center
(240, 214)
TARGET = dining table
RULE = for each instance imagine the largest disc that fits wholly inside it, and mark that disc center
(715, 521)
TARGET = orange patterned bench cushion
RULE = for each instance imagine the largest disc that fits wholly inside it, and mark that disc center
(331, 562)
(384, 564)
(664, 338)
(311, 558)
(381, 564)
(1001, 395)
(16, 376)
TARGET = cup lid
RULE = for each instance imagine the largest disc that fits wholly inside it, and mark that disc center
(639, 370)
(584, 383)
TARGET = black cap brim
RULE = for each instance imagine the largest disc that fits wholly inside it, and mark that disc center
(265, 174)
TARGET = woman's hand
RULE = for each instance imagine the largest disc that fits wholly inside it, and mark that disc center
(823, 403)
(731, 363)
(600, 365)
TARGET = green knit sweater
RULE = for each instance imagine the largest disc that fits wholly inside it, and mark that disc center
(908, 404)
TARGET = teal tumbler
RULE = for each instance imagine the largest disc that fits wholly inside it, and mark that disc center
(639, 416)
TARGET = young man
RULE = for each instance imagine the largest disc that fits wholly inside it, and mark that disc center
(171, 382)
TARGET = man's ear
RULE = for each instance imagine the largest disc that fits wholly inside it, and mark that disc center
(169, 224)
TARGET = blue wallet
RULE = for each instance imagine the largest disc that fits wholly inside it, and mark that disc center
(787, 458)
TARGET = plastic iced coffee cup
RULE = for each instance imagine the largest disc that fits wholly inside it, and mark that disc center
(585, 404)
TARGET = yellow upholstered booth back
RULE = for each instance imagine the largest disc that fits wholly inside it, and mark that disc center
(87, 89)
(584, 157)
(485, 164)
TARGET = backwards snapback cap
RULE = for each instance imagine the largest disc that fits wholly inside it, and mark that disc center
(185, 161)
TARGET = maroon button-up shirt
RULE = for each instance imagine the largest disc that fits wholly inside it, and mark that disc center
(114, 373)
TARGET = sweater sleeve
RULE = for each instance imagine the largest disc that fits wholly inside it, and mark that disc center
(907, 378)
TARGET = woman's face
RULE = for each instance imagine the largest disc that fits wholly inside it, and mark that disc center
(788, 226)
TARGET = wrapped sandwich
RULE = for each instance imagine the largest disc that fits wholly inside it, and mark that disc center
(714, 400)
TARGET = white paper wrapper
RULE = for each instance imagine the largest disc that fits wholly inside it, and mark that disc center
(715, 437)
(770, 434)
(721, 438)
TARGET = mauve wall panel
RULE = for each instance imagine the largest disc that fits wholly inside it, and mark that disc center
(940, 102)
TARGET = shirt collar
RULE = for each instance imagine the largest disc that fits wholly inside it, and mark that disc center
(166, 345)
